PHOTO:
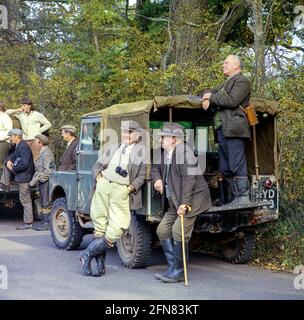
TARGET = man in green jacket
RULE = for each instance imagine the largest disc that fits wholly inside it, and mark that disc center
(231, 126)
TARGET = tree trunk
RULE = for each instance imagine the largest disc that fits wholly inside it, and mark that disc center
(139, 7)
(12, 8)
(232, 16)
(9, 35)
(259, 46)
(187, 36)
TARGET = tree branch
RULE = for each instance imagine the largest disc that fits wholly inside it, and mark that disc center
(293, 47)
(230, 19)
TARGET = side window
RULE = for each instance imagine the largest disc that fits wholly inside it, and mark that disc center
(87, 137)
(96, 135)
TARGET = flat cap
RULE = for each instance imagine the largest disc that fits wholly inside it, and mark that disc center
(26, 101)
(68, 127)
(44, 139)
(171, 129)
(17, 132)
(130, 125)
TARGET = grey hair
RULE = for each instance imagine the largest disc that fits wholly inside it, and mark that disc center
(239, 60)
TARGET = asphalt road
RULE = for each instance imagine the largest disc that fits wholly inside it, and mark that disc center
(37, 270)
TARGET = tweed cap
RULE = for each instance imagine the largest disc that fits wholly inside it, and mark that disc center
(171, 129)
(17, 132)
(130, 125)
(69, 128)
(44, 139)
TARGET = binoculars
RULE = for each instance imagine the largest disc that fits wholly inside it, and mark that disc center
(122, 172)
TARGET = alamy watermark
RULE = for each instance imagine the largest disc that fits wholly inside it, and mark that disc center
(298, 281)
(3, 278)
(3, 17)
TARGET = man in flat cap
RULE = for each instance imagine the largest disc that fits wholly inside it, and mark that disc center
(68, 159)
(44, 166)
(19, 166)
(177, 177)
(120, 172)
(32, 123)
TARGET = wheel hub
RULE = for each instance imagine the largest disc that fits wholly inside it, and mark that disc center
(61, 223)
(128, 241)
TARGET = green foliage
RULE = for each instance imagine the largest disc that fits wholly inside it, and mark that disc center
(153, 9)
(86, 55)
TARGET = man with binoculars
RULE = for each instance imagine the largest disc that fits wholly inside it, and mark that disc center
(120, 172)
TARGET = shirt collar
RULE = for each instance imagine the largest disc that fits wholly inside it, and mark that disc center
(127, 148)
(70, 142)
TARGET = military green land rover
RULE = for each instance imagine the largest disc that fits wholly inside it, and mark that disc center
(232, 228)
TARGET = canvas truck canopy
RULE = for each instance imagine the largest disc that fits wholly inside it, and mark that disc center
(266, 129)
(134, 109)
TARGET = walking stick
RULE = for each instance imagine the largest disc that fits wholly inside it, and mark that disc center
(188, 208)
(184, 253)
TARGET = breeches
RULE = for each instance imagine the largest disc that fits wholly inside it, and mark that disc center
(110, 209)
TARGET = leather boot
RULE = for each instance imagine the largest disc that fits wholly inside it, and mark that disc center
(169, 254)
(177, 274)
(95, 248)
(43, 224)
(100, 265)
(241, 192)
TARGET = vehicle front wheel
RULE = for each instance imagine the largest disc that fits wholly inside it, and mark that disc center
(134, 247)
(241, 250)
(66, 232)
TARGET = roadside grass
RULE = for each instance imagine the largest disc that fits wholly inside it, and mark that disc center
(281, 248)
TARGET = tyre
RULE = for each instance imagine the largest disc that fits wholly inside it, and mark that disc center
(134, 247)
(241, 250)
(66, 232)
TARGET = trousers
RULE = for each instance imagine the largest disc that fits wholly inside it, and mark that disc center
(24, 195)
(170, 225)
(110, 209)
(232, 155)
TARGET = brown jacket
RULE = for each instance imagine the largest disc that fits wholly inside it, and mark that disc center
(68, 159)
(186, 188)
(136, 168)
(227, 98)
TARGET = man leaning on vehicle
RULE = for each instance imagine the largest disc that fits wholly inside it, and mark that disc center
(177, 177)
(120, 173)
(19, 166)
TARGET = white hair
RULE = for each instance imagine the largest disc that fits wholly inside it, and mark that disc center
(238, 60)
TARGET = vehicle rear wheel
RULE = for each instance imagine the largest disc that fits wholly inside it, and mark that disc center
(134, 247)
(241, 250)
(66, 232)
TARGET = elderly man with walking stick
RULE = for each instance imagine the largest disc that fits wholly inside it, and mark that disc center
(176, 175)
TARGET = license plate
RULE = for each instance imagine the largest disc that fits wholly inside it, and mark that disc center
(271, 195)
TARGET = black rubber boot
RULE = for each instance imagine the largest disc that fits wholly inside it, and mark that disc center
(100, 265)
(169, 254)
(229, 190)
(241, 192)
(95, 248)
(177, 274)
